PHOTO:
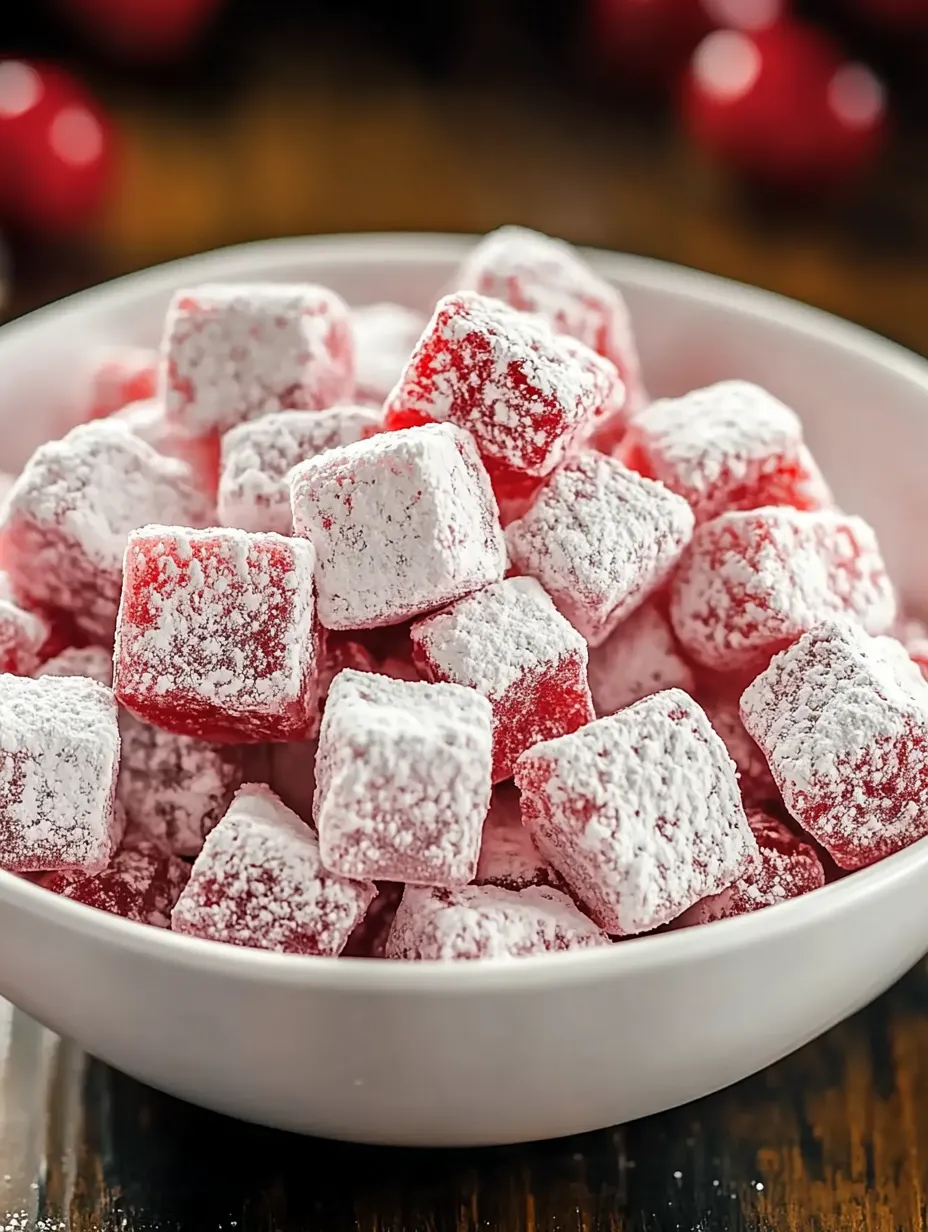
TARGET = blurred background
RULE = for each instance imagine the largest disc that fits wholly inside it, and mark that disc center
(781, 143)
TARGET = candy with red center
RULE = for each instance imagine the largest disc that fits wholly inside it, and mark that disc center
(488, 922)
(216, 635)
(402, 779)
(508, 857)
(23, 634)
(525, 395)
(843, 723)
(257, 458)
(402, 523)
(142, 884)
(67, 519)
(121, 375)
(369, 939)
(259, 882)
(384, 336)
(639, 658)
(754, 775)
(511, 644)
(787, 867)
(600, 539)
(639, 812)
(730, 446)
(58, 764)
(754, 581)
(235, 352)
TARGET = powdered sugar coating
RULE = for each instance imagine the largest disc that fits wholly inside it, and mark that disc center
(259, 882)
(257, 458)
(142, 883)
(402, 779)
(639, 812)
(59, 753)
(402, 523)
(638, 658)
(384, 337)
(147, 419)
(729, 446)
(234, 352)
(69, 515)
(753, 582)
(216, 635)
(22, 634)
(844, 727)
(488, 922)
(120, 375)
(600, 539)
(754, 775)
(91, 661)
(508, 857)
(509, 642)
(506, 378)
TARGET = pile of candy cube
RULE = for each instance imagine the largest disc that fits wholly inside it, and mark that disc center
(339, 631)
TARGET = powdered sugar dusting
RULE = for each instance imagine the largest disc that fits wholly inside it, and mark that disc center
(384, 337)
(91, 661)
(22, 634)
(640, 657)
(142, 884)
(120, 375)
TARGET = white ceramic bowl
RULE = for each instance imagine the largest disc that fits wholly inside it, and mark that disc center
(495, 1052)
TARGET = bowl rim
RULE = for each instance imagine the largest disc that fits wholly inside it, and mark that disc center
(627, 957)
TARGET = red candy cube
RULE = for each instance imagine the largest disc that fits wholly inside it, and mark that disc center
(257, 458)
(511, 644)
(216, 635)
(142, 884)
(121, 375)
(601, 540)
(787, 868)
(639, 812)
(508, 857)
(754, 775)
(638, 658)
(525, 396)
(755, 581)
(148, 421)
(23, 635)
(234, 352)
(384, 337)
(259, 882)
(842, 719)
(731, 446)
(67, 519)
(488, 922)
(402, 780)
(402, 524)
(58, 763)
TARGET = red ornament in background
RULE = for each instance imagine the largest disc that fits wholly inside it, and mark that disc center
(143, 29)
(56, 150)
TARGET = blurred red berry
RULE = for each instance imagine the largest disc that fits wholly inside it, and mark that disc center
(143, 29)
(646, 42)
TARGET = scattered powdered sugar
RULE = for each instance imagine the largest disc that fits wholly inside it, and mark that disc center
(91, 661)
(22, 634)
(257, 458)
(638, 658)
(142, 884)
(600, 539)
(487, 922)
(402, 523)
(402, 779)
(384, 337)
(508, 857)
(639, 812)
(843, 723)
(259, 882)
(59, 753)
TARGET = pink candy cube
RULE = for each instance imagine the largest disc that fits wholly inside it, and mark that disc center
(755, 581)
(384, 337)
(754, 777)
(601, 540)
(120, 375)
(259, 882)
(402, 779)
(91, 661)
(142, 884)
(402, 523)
(842, 719)
(257, 457)
(639, 812)
(58, 769)
(231, 353)
(23, 634)
(508, 857)
(68, 518)
(488, 922)
(216, 635)
(147, 420)
(511, 644)
(638, 658)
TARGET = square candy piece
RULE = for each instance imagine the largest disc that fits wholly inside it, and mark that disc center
(754, 777)
(511, 644)
(384, 337)
(843, 722)
(259, 882)
(216, 635)
(402, 523)
(120, 375)
(638, 658)
(59, 754)
(91, 661)
(23, 634)
(142, 884)
(488, 922)
(257, 458)
(402, 779)
(730, 446)
(639, 812)
(508, 857)
(525, 397)
(148, 421)
(231, 353)
(68, 518)
(601, 540)
(755, 581)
